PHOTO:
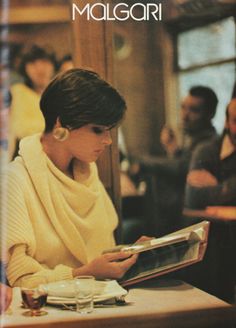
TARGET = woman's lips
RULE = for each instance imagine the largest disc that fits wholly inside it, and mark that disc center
(98, 151)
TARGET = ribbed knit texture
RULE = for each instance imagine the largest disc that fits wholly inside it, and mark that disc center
(54, 223)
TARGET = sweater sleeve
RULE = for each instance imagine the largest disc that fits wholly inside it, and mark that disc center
(21, 264)
(171, 167)
(20, 241)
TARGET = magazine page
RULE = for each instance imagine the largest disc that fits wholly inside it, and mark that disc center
(91, 91)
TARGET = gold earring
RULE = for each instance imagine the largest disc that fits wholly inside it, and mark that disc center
(61, 134)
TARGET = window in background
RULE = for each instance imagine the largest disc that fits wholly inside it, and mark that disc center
(207, 56)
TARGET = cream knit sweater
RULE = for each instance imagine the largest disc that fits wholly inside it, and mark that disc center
(54, 223)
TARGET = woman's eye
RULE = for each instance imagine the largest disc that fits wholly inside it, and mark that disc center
(97, 130)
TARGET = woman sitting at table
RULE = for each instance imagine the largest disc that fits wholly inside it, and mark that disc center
(60, 218)
(211, 180)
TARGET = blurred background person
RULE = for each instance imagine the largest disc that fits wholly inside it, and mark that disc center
(212, 176)
(37, 67)
(66, 63)
(166, 175)
(197, 111)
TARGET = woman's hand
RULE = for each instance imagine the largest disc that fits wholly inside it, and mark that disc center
(168, 140)
(5, 297)
(110, 265)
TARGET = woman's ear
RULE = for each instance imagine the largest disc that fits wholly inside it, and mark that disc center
(60, 133)
(58, 123)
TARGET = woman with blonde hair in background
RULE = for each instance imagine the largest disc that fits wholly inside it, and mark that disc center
(37, 67)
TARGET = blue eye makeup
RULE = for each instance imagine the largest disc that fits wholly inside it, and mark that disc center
(98, 130)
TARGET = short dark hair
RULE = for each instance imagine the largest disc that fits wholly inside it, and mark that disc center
(78, 97)
(66, 58)
(209, 97)
(32, 54)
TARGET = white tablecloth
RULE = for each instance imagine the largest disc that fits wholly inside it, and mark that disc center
(168, 297)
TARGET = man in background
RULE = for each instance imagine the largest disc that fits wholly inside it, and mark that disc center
(212, 176)
(168, 172)
(197, 110)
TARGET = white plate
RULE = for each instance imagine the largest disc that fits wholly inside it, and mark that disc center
(63, 291)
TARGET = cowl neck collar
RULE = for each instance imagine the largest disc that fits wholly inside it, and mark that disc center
(66, 201)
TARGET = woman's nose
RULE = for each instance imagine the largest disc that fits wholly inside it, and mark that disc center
(107, 140)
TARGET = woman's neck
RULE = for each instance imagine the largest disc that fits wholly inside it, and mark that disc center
(58, 154)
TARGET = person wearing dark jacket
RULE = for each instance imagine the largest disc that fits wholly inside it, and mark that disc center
(166, 175)
(211, 179)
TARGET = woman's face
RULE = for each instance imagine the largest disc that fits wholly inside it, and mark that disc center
(88, 142)
(40, 72)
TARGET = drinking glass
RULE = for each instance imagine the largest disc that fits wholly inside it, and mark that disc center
(34, 295)
(84, 291)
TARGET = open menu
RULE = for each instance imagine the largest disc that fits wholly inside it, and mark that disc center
(159, 256)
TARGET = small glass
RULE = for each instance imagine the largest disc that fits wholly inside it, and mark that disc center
(34, 296)
(84, 292)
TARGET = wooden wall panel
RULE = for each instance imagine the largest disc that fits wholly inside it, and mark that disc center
(37, 11)
(92, 42)
(139, 77)
(58, 36)
(38, 14)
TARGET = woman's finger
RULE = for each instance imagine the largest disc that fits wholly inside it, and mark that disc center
(126, 264)
(117, 256)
